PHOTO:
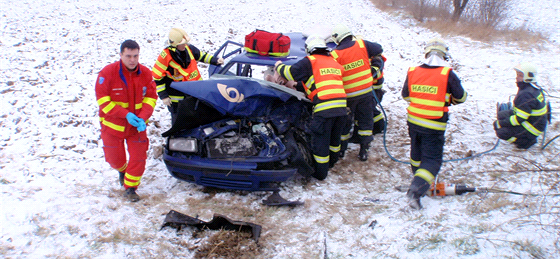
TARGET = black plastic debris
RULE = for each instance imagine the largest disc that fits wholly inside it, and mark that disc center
(373, 224)
(276, 200)
(178, 220)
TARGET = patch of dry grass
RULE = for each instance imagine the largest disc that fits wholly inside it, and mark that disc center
(229, 244)
(438, 18)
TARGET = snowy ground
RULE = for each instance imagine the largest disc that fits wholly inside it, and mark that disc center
(60, 199)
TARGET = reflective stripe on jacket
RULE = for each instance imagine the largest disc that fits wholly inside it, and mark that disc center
(119, 92)
(357, 76)
(325, 87)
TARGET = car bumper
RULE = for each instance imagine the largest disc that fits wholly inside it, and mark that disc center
(230, 175)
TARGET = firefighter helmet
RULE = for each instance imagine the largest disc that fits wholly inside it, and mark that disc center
(177, 37)
(529, 72)
(438, 46)
(339, 32)
(313, 43)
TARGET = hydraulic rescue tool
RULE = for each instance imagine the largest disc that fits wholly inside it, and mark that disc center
(447, 189)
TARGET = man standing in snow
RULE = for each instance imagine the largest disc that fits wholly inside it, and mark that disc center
(430, 88)
(527, 119)
(319, 76)
(177, 63)
(363, 66)
(126, 95)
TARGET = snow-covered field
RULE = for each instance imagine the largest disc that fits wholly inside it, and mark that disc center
(61, 199)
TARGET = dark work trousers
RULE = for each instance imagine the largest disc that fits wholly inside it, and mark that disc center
(173, 109)
(378, 119)
(427, 149)
(361, 111)
(325, 143)
(516, 134)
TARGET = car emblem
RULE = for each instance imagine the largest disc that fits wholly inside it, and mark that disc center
(227, 93)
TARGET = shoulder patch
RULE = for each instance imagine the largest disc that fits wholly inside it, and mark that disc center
(163, 54)
(101, 80)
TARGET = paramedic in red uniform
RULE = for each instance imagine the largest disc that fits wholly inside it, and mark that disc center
(126, 95)
(177, 63)
(429, 89)
(319, 76)
(355, 55)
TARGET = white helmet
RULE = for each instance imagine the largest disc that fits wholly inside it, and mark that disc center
(177, 37)
(339, 32)
(529, 72)
(313, 43)
(438, 46)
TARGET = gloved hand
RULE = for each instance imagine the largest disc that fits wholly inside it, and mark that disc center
(133, 119)
(142, 126)
(166, 101)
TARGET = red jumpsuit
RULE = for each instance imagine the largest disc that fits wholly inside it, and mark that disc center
(119, 92)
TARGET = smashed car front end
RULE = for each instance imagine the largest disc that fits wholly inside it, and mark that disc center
(229, 154)
(251, 147)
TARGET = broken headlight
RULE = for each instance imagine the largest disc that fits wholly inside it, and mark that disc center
(183, 145)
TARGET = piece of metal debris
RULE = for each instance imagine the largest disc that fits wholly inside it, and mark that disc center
(276, 200)
(178, 220)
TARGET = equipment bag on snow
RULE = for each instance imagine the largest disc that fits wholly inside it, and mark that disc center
(267, 43)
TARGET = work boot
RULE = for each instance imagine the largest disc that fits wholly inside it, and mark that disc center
(121, 178)
(131, 195)
(364, 148)
(363, 155)
(413, 200)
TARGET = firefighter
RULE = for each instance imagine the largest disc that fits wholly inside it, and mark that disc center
(126, 95)
(359, 74)
(429, 88)
(319, 76)
(177, 63)
(527, 119)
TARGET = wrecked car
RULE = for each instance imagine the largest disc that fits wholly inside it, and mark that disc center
(238, 131)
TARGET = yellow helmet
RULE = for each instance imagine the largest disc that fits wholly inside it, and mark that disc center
(437, 45)
(529, 72)
(177, 37)
(313, 43)
(339, 32)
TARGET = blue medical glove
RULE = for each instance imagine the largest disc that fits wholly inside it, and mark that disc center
(133, 119)
(141, 127)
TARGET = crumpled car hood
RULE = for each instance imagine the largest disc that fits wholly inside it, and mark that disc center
(237, 96)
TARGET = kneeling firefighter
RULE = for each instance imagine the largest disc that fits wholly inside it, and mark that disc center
(523, 122)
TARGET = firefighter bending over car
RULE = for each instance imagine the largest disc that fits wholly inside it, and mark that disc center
(319, 76)
(126, 95)
(177, 63)
(527, 119)
(429, 88)
(359, 74)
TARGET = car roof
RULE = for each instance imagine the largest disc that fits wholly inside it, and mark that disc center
(297, 52)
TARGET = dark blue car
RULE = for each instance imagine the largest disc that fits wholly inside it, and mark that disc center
(238, 131)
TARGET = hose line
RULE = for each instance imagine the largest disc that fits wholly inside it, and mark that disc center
(450, 160)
